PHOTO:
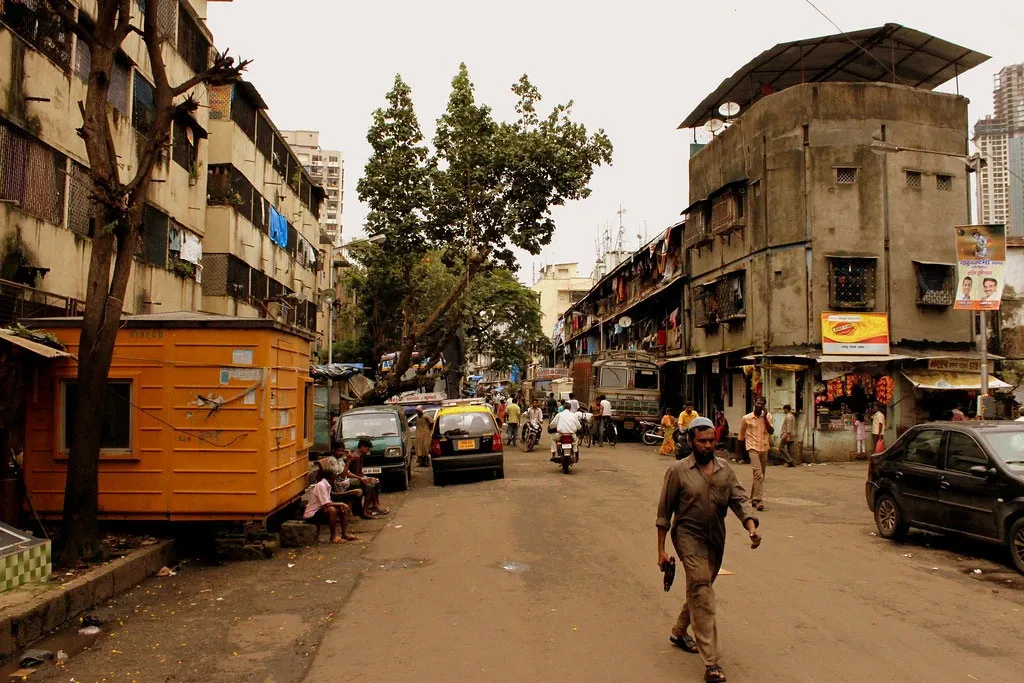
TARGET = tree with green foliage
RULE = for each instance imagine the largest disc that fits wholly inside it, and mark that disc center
(502, 320)
(487, 190)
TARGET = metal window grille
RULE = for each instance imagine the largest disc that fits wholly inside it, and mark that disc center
(215, 274)
(300, 316)
(81, 213)
(304, 189)
(192, 45)
(293, 239)
(83, 58)
(280, 157)
(120, 76)
(293, 173)
(243, 113)
(846, 176)
(32, 175)
(935, 284)
(852, 282)
(258, 287)
(944, 183)
(143, 105)
(698, 306)
(183, 152)
(167, 19)
(40, 27)
(260, 211)
(220, 101)
(913, 180)
(274, 288)
(728, 297)
(264, 136)
(153, 247)
(238, 277)
(316, 198)
(227, 186)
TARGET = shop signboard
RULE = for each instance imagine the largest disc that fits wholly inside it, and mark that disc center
(971, 365)
(980, 258)
(855, 334)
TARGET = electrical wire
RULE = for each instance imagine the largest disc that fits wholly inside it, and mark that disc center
(853, 42)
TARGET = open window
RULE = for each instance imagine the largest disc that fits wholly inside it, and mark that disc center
(851, 282)
(116, 425)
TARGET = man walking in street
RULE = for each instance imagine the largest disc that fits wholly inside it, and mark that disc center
(605, 419)
(424, 431)
(877, 426)
(512, 416)
(697, 493)
(786, 439)
(755, 428)
(574, 405)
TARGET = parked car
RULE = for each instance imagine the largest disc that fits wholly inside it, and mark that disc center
(429, 411)
(466, 438)
(965, 478)
(391, 455)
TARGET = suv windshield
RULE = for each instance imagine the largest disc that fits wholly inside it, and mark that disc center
(1008, 447)
(465, 424)
(368, 424)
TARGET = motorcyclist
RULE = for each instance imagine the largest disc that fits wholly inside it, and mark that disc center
(564, 422)
(533, 416)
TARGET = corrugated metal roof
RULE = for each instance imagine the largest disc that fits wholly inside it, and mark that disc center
(35, 347)
(886, 54)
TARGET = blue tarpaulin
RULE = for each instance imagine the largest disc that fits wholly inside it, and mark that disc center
(278, 229)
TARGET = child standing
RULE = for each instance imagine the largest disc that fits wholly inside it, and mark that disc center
(858, 423)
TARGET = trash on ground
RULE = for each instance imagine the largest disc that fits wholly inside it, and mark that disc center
(90, 620)
(330, 581)
(166, 571)
(89, 630)
(21, 674)
(908, 554)
(975, 571)
(398, 526)
(62, 657)
(35, 657)
(935, 569)
(290, 565)
(872, 533)
(726, 572)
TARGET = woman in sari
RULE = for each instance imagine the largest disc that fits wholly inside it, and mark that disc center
(668, 443)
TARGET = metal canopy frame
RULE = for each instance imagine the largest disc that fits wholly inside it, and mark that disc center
(887, 54)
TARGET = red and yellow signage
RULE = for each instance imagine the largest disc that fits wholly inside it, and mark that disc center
(855, 334)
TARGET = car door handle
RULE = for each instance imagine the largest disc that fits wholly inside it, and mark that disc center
(943, 484)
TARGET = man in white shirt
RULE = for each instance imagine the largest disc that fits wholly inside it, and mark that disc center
(565, 422)
(574, 405)
(605, 420)
(877, 426)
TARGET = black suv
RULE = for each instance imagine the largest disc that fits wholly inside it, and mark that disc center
(958, 477)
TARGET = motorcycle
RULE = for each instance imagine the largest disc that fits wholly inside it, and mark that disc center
(652, 433)
(567, 452)
(531, 435)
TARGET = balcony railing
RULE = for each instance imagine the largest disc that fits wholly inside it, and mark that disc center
(18, 301)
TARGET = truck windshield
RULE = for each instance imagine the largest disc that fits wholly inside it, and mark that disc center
(614, 378)
(646, 379)
(368, 424)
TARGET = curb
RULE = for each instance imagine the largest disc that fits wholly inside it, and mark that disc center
(23, 624)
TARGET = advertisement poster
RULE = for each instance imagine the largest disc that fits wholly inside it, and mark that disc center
(855, 334)
(980, 255)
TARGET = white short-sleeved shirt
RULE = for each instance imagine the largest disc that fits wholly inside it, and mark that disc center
(606, 408)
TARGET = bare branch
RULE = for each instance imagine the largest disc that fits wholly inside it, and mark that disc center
(221, 72)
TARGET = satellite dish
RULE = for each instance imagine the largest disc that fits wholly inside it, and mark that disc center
(328, 296)
(729, 109)
(625, 321)
(714, 125)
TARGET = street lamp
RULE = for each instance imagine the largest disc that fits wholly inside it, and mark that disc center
(330, 295)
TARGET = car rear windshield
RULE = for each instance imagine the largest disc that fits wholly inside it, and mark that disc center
(465, 424)
(368, 424)
(1008, 447)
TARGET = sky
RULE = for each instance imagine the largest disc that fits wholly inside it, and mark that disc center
(635, 70)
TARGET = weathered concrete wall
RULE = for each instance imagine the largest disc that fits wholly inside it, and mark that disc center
(788, 147)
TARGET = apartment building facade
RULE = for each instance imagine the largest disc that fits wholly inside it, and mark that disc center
(45, 210)
(558, 287)
(327, 169)
(999, 140)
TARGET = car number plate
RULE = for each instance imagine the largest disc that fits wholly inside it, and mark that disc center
(466, 444)
(628, 424)
(371, 470)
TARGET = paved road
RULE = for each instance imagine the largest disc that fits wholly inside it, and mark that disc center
(543, 576)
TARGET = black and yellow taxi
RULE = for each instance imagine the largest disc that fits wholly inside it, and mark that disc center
(466, 438)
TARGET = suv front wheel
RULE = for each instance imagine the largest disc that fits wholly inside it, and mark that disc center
(889, 517)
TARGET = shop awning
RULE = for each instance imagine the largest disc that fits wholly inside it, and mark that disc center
(35, 347)
(938, 380)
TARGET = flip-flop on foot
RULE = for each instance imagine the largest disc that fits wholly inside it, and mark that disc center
(685, 643)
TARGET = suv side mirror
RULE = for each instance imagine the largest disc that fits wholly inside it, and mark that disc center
(982, 471)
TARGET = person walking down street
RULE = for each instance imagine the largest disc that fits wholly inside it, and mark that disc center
(424, 430)
(786, 438)
(755, 428)
(877, 426)
(512, 414)
(668, 442)
(552, 406)
(574, 405)
(721, 426)
(698, 492)
(502, 411)
(604, 425)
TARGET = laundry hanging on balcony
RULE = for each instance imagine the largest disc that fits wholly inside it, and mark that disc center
(278, 229)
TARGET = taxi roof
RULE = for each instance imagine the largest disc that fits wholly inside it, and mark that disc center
(465, 408)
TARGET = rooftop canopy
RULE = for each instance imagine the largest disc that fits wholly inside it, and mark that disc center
(887, 54)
